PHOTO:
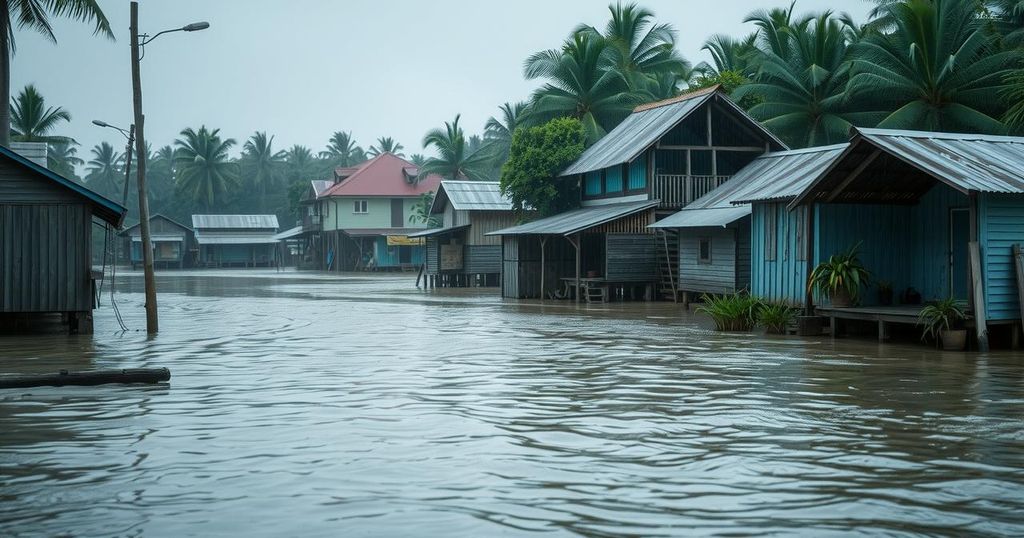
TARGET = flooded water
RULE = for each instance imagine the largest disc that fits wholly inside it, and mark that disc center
(346, 406)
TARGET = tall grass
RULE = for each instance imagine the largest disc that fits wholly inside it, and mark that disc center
(776, 317)
(735, 312)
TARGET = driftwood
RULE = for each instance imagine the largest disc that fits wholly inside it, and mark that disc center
(89, 377)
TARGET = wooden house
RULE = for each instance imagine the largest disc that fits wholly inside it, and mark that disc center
(46, 227)
(660, 159)
(236, 240)
(174, 244)
(922, 206)
(714, 231)
(460, 253)
(366, 215)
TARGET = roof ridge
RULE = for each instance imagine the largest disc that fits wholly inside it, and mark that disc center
(678, 99)
(910, 133)
(802, 151)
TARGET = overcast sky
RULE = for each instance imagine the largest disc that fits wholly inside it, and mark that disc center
(302, 69)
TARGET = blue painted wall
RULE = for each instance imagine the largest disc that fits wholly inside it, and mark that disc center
(614, 184)
(1000, 226)
(389, 256)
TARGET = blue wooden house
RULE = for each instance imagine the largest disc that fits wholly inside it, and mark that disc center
(917, 203)
(660, 159)
(174, 244)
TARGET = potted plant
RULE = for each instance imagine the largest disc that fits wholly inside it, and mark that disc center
(942, 320)
(884, 293)
(840, 277)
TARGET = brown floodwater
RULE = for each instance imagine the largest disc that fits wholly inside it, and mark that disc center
(316, 405)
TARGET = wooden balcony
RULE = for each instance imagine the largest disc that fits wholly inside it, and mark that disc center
(677, 191)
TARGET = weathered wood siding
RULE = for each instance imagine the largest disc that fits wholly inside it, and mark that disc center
(482, 259)
(45, 257)
(484, 222)
(19, 186)
(743, 254)
(1001, 225)
(432, 253)
(631, 257)
(521, 270)
(718, 276)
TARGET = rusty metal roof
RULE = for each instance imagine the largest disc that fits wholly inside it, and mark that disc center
(266, 222)
(646, 125)
(578, 220)
(471, 196)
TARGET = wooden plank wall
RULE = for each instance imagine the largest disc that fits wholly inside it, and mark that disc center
(631, 258)
(45, 258)
(482, 259)
(484, 222)
(1001, 225)
(716, 277)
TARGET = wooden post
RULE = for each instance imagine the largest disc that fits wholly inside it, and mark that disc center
(576, 244)
(543, 240)
(152, 322)
(1018, 262)
(809, 232)
(977, 278)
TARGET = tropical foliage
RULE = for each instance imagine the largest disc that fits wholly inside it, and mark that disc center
(455, 158)
(105, 170)
(33, 121)
(386, 144)
(205, 173)
(538, 154)
(732, 312)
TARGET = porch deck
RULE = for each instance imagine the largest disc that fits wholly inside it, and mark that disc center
(883, 315)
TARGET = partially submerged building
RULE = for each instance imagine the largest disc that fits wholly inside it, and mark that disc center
(46, 225)
(367, 215)
(174, 244)
(236, 240)
(459, 252)
(661, 158)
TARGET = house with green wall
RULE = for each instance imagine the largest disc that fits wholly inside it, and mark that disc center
(365, 217)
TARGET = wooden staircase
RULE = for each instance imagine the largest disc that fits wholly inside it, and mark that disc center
(668, 264)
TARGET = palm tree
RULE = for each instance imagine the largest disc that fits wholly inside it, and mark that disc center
(774, 26)
(300, 164)
(802, 95)
(454, 160)
(62, 157)
(938, 70)
(105, 170)
(260, 163)
(35, 15)
(499, 131)
(342, 151)
(386, 144)
(205, 173)
(729, 54)
(160, 177)
(580, 85)
(33, 121)
(418, 159)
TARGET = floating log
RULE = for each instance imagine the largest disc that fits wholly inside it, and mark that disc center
(89, 377)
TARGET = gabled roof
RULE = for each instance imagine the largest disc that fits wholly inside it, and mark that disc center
(650, 122)
(104, 208)
(157, 216)
(470, 196)
(966, 162)
(383, 175)
(241, 222)
(578, 220)
(772, 176)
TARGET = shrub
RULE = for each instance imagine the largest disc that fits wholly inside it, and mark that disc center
(538, 154)
(776, 317)
(735, 312)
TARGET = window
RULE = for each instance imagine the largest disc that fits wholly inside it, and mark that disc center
(771, 223)
(593, 186)
(359, 206)
(704, 250)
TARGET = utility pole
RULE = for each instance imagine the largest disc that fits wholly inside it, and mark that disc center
(152, 322)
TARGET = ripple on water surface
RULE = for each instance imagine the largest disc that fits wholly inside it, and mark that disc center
(324, 405)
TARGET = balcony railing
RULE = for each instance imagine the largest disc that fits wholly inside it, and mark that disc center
(677, 191)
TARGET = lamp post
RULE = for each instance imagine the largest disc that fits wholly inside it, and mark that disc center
(130, 135)
(138, 41)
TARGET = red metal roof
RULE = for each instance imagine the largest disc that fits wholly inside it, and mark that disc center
(383, 175)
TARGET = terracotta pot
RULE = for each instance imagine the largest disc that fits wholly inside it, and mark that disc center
(840, 298)
(955, 340)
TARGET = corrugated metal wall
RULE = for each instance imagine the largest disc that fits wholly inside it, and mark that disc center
(1001, 225)
(484, 222)
(45, 258)
(631, 258)
(482, 259)
(433, 252)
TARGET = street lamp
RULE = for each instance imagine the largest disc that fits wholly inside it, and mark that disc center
(137, 42)
(130, 135)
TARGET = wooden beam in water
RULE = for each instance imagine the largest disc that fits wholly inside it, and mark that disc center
(1018, 263)
(980, 321)
(86, 378)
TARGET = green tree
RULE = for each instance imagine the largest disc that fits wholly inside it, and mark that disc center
(300, 165)
(105, 171)
(205, 173)
(421, 211)
(159, 181)
(728, 54)
(386, 144)
(35, 15)
(498, 131)
(538, 155)
(62, 157)
(454, 160)
(342, 151)
(33, 121)
(260, 163)
(937, 70)
(580, 85)
(418, 159)
(1014, 94)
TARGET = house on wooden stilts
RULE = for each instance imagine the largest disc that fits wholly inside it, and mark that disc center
(460, 253)
(46, 232)
(174, 244)
(236, 240)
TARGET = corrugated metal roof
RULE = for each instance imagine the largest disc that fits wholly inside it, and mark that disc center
(177, 238)
(646, 125)
(704, 218)
(234, 238)
(235, 221)
(969, 162)
(471, 196)
(380, 232)
(578, 220)
(289, 233)
(33, 151)
(320, 185)
(439, 231)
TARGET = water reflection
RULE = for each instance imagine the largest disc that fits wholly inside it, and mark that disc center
(323, 405)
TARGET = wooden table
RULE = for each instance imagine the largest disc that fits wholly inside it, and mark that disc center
(597, 289)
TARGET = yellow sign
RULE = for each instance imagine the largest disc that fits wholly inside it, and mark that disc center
(404, 241)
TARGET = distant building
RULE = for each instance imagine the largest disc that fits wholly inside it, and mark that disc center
(174, 244)
(236, 240)
(46, 224)
(365, 215)
(460, 253)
